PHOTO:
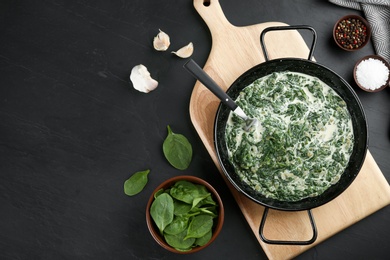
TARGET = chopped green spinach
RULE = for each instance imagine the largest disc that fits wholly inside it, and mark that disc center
(303, 142)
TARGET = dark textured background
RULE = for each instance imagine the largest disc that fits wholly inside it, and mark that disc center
(73, 129)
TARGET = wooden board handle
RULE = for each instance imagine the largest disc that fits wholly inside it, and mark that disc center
(211, 12)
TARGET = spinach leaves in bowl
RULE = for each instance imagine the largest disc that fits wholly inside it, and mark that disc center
(184, 214)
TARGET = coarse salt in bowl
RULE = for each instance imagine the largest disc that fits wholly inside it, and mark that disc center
(372, 73)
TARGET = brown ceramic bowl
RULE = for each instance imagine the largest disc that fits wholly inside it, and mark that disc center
(376, 57)
(218, 222)
(351, 44)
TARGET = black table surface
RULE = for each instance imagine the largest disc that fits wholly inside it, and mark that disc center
(73, 129)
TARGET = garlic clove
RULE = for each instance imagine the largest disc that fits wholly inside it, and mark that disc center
(185, 51)
(161, 42)
(141, 79)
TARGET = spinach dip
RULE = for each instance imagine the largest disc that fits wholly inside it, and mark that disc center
(302, 142)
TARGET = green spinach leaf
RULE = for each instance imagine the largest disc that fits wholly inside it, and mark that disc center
(201, 241)
(179, 241)
(136, 183)
(199, 226)
(208, 201)
(181, 208)
(178, 225)
(199, 199)
(204, 210)
(177, 150)
(184, 191)
(158, 193)
(161, 211)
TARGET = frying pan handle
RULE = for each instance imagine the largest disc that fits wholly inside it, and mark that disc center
(290, 242)
(288, 27)
(193, 68)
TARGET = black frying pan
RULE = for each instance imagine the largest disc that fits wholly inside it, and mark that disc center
(334, 81)
(354, 108)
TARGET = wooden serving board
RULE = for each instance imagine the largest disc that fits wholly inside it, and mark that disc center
(234, 50)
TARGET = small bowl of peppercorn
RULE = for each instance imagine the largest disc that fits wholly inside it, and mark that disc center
(351, 32)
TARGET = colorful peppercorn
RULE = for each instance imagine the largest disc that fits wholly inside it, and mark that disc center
(351, 33)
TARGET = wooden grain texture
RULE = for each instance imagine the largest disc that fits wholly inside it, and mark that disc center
(234, 50)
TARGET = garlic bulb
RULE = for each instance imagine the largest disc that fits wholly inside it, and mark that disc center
(161, 42)
(141, 79)
(185, 51)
